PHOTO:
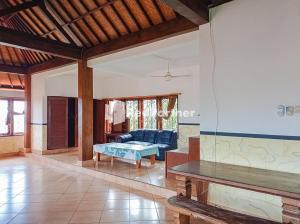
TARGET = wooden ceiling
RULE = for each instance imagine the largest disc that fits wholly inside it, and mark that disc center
(36, 35)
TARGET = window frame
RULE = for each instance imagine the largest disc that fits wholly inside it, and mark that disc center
(140, 100)
(11, 114)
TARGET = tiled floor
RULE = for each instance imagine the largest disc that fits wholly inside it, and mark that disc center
(150, 174)
(31, 193)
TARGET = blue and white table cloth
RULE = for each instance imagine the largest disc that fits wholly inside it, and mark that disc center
(126, 151)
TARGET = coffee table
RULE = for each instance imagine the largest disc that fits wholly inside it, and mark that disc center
(126, 151)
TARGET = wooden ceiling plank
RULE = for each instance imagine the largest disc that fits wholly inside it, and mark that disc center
(162, 16)
(193, 10)
(80, 24)
(9, 78)
(145, 12)
(152, 34)
(28, 41)
(131, 14)
(96, 20)
(106, 16)
(56, 20)
(91, 22)
(20, 80)
(66, 18)
(13, 69)
(42, 24)
(19, 7)
(120, 18)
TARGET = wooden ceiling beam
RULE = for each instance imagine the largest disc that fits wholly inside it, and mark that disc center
(24, 40)
(162, 31)
(49, 65)
(56, 20)
(19, 7)
(194, 10)
(216, 3)
(13, 69)
(9, 88)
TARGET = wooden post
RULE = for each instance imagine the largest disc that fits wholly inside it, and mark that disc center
(184, 190)
(27, 130)
(202, 191)
(290, 211)
(152, 159)
(85, 113)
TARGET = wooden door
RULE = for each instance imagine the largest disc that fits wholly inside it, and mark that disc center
(99, 121)
(57, 122)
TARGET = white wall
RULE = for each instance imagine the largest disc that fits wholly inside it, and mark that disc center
(4, 93)
(144, 86)
(257, 67)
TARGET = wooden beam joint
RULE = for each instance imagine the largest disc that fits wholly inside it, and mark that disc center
(194, 10)
(10, 37)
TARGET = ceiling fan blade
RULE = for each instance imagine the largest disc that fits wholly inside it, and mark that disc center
(158, 76)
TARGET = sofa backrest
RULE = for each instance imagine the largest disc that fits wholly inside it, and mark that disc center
(150, 136)
(138, 135)
(165, 137)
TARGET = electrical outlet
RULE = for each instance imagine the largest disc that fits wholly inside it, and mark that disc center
(290, 110)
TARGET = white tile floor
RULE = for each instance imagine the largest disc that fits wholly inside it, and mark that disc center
(31, 193)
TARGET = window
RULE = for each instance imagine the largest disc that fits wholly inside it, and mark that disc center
(144, 112)
(18, 116)
(172, 122)
(12, 117)
(149, 114)
(3, 117)
(132, 113)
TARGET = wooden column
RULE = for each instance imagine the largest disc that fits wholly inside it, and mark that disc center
(184, 190)
(85, 113)
(27, 130)
(291, 211)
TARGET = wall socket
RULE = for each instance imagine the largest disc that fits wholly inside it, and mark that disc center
(283, 110)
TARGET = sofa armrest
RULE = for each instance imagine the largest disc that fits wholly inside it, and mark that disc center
(124, 138)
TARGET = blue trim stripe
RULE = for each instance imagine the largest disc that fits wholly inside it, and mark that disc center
(195, 124)
(247, 135)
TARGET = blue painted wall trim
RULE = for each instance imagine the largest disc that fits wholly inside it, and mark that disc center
(195, 124)
(247, 135)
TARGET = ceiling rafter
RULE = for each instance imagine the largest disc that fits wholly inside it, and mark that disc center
(99, 7)
(27, 41)
(46, 8)
(20, 7)
(13, 69)
(194, 10)
(155, 33)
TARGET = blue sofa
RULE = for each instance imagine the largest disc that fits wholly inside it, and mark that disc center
(165, 140)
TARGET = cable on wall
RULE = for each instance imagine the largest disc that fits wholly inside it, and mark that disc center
(212, 12)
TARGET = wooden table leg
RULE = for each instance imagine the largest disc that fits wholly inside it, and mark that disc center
(290, 211)
(152, 159)
(184, 190)
(112, 161)
(138, 164)
(98, 156)
(202, 191)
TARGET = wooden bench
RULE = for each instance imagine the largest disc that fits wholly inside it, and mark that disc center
(285, 185)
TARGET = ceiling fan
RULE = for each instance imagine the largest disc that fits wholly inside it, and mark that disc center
(168, 76)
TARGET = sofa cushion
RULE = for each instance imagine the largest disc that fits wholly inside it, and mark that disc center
(124, 138)
(164, 137)
(150, 136)
(138, 135)
(139, 143)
